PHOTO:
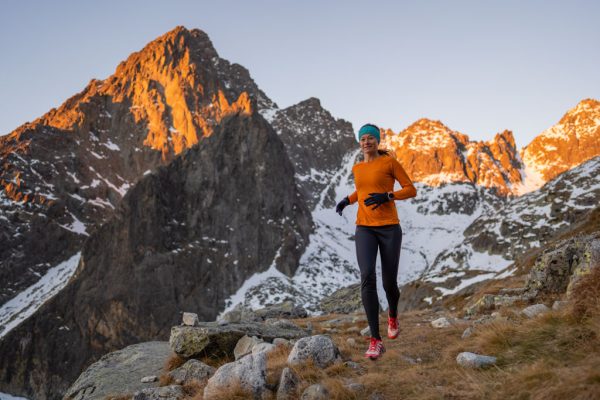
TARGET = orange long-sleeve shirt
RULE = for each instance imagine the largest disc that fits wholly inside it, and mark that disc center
(379, 176)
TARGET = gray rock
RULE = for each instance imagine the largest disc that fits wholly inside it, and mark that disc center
(281, 342)
(468, 332)
(288, 384)
(472, 360)
(320, 349)
(559, 267)
(351, 341)
(287, 309)
(263, 347)
(376, 396)
(366, 332)
(244, 346)
(239, 314)
(148, 379)
(190, 319)
(172, 392)
(315, 392)
(192, 370)
(535, 310)
(355, 366)
(249, 373)
(281, 323)
(559, 305)
(355, 387)
(409, 360)
(120, 371)
(211, 338)
(343, 301)
(440, 323)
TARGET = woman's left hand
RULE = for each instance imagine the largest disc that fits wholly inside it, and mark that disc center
(377, 199)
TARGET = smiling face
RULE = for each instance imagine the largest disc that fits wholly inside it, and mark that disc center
(368, 144)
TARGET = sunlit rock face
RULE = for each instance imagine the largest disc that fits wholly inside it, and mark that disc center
(432, 153)
(574, 140)
(64, 173)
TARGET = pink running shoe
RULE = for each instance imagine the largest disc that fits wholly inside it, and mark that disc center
(376, 349)
(393, 329)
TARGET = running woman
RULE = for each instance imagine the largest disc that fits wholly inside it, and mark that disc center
(378, 228)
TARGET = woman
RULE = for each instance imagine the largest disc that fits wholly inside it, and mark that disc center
(378, 228)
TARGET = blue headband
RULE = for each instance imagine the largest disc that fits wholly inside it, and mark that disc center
(369, 129)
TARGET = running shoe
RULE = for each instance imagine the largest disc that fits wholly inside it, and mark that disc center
(376, 349)
(393, 329)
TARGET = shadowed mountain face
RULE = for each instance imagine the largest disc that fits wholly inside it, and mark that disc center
(64, 173)
(184, 238)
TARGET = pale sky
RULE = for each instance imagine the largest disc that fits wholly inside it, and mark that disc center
(478, 66)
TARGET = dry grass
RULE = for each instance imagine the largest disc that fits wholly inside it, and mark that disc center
(173, 362)
(166, 380)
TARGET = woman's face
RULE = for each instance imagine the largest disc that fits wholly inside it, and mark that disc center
(368, 143)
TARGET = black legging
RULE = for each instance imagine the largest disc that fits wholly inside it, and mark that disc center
(388, 239)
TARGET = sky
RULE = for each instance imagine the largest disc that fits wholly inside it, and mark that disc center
(480, 66)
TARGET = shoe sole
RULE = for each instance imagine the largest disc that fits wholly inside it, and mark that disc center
(373, 358)
(393, 337)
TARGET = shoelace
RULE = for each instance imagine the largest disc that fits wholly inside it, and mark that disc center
(373, 345)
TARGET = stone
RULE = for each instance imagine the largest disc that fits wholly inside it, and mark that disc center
(366, 332)
(320, 349)
(120, 372)
(467, 332)
(172, 392)
(244, 346)
(315, 392)
(355, 387)
(190, 319)
(249, 372)
(376, 396)
(281, 342)
(440, 323)
(559, 305)
(288, 384)
(239, 314)
(281, 323)
(535, 310)
(148, 379)
(353, 329)
(472, 360)
(408, 359)
(355, 366)
(210, 338)
(192, 370)
(351, 342)
(286, 309)
(343, 301)
(263, 347)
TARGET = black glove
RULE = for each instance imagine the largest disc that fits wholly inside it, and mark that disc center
(377, 199)
(341, 205)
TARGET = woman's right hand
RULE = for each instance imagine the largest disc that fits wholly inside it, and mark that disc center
(341, 205)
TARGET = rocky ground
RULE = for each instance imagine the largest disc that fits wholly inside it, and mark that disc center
(535, 335)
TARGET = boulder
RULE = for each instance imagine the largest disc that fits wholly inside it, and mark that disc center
(192, 370)
(120, 372)
(212, 339)
(315, 392)
(239, 314)
(288, 384)
(249, 373)
(472, 360)
(320, 349)
(535, 310)
(559, 267)
(287, 309)
(190, 319)
(172, 392)
(343, 301)
(440, 323)
(244, 346)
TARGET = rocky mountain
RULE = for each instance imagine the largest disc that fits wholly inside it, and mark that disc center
(64, 173)
(184, 238)
(434, 154)
(317, 144)
(572, 141)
